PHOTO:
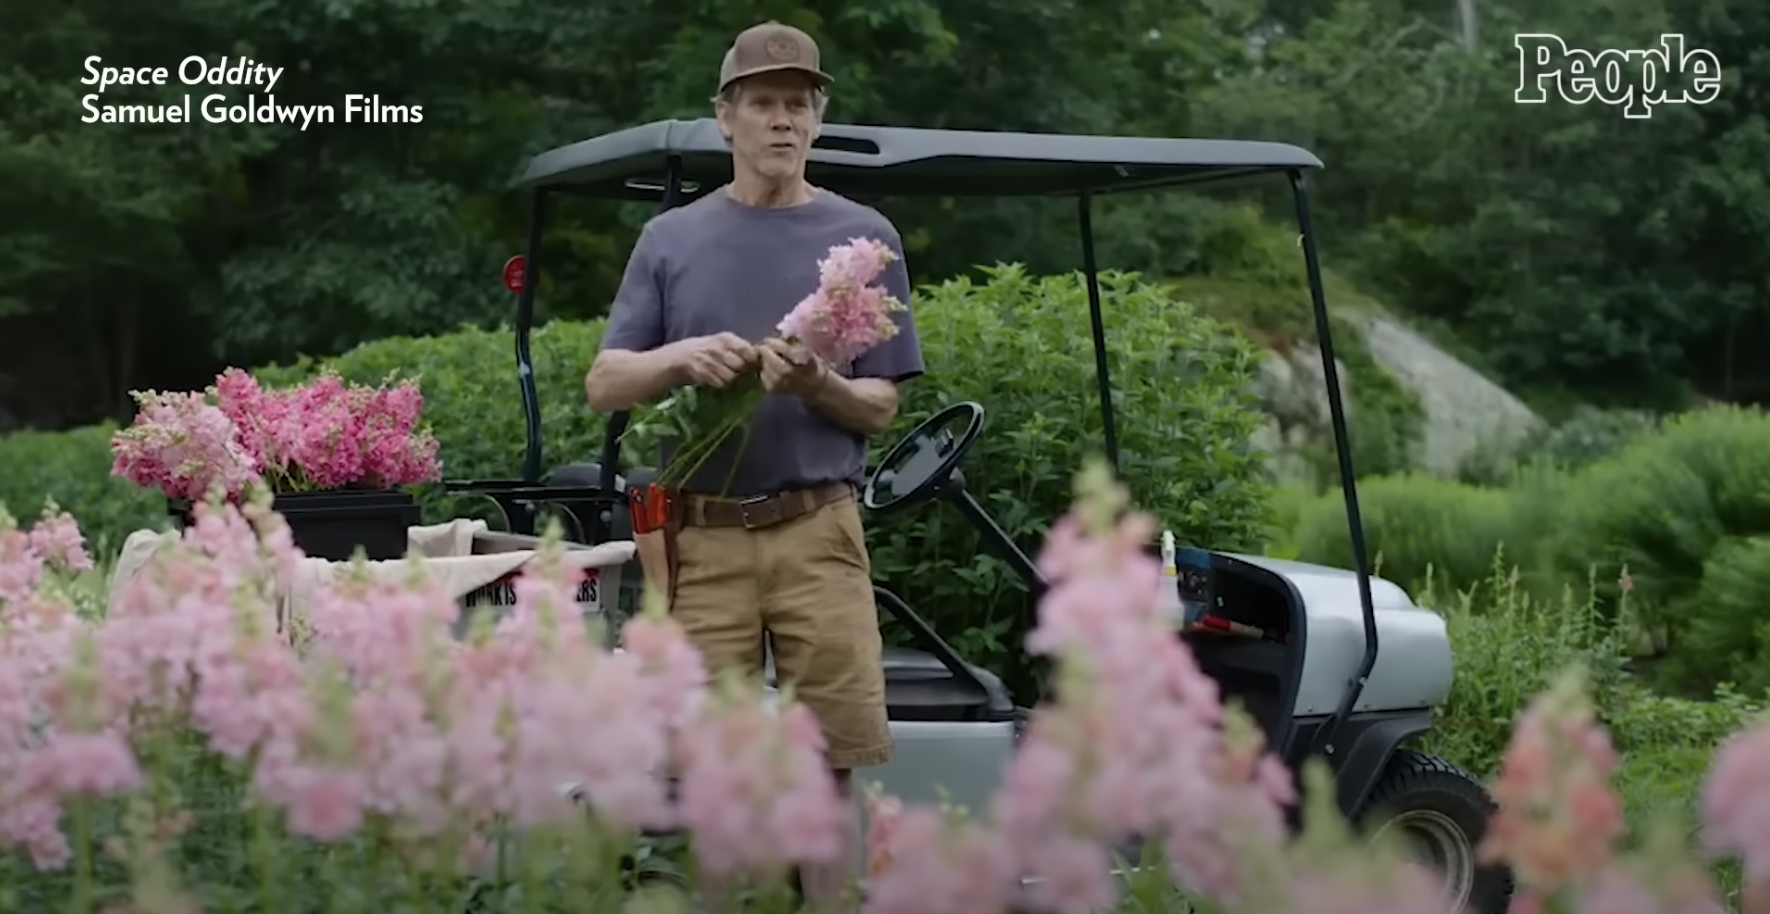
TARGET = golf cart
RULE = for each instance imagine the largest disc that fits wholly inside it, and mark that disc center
(1345, 667)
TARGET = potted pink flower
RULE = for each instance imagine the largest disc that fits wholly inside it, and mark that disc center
(334, 454)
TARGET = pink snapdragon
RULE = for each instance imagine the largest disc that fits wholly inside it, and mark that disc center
(923, 858)
(57, 539)
(754, 790)
(846, 315)
(1736, 808)
(1136, 742)
(60, 735)
(182, 445)
(364, 718)
(1559, 818)
(326, 434)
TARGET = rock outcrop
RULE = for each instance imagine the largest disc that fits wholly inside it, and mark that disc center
(1466, 416)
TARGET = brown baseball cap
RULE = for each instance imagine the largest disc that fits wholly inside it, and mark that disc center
(770, 47)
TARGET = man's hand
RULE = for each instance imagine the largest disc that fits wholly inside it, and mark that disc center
(714, 361)
(790, 370)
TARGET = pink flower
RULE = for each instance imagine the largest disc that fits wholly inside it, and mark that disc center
(326, 434)
(1650, 886)
(846, 315)
(1736, 803)
(366, 719)
(1136, 742)
(57, 538)
(1347, 884)
(754, 790)
(855, 264)
(673, 666)
(325, 804)
(21, 567)
(922, 860)
(93, 764)
(1558, 819)
(183, 446)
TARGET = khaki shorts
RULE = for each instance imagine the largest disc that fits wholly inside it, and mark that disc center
(808, 583)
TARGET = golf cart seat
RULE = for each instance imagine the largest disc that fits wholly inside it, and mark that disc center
(918, 686)
(934, 684)
(589, 476)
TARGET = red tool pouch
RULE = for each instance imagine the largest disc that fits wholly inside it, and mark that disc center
(655, 525)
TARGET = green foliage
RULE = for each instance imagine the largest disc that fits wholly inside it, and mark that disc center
(1587, 436)
(73, 468)
(1018, 344)
(1727, 634)
(1508, 647)
(1250, 272)
(1416, 529)
(1678, 510)
(1682, 507)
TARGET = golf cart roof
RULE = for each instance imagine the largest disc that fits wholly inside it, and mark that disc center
(632, 164)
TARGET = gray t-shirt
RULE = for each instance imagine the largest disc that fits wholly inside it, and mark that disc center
(717, 265)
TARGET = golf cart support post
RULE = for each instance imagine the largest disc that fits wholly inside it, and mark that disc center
(673, 162)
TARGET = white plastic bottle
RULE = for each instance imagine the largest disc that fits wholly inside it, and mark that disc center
(1170, 595)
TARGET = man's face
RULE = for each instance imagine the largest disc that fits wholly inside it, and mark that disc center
(771, 122)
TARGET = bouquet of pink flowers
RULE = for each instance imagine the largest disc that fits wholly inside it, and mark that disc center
(323, 435)
(846, 316)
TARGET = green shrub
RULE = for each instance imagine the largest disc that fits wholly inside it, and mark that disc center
(1018, 344)
(1643, 719)
(1588, 436)
(1679, 509)
(1414, 526)
(1509, 646)
(74, 469)
(1726, 636)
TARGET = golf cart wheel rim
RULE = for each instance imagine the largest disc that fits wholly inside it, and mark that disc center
(1436, 841)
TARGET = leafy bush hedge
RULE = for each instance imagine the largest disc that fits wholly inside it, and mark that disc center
(1016, 343)
(1686, 511)
(1683, 508)
(74, 469)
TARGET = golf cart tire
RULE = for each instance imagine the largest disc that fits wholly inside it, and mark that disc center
(1415, 783)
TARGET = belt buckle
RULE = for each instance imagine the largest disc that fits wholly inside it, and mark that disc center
(744, 505)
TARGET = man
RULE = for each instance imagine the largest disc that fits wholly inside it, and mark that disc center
(705, 285)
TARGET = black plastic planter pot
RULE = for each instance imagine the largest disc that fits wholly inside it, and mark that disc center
(331, 525)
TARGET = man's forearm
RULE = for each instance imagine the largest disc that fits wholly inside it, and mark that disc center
(865, 406)
(620, 379)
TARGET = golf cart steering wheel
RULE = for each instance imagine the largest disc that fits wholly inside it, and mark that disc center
(920, 464)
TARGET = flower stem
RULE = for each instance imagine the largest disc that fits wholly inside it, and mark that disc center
(720, 433)
(731, 474)
(672, 471)
(80, 902)
(264, 849)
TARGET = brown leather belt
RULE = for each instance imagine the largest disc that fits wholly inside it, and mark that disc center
(759, 511)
